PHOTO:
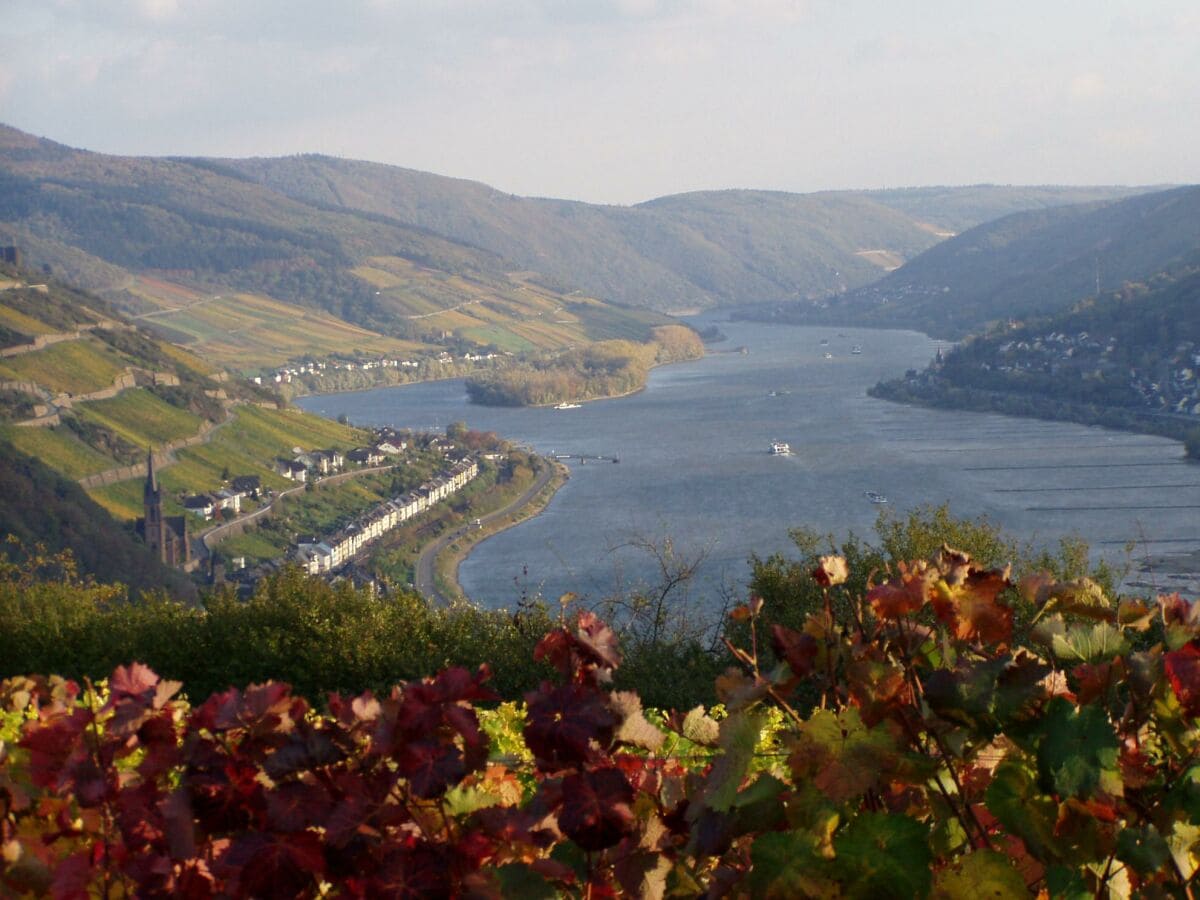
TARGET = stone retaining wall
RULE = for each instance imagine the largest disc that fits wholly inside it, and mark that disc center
(163, 457)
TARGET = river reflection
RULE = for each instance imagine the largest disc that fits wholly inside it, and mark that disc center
(695, 465)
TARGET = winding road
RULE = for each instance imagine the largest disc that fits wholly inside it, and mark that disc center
(424, 569)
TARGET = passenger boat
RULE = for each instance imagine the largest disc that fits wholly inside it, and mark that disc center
(779, 448)
(566, 405)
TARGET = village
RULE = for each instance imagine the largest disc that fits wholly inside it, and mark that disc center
(246, 504)
(1168, 385)
(316, 369)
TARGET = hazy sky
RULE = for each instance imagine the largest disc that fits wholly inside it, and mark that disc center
(623, 100)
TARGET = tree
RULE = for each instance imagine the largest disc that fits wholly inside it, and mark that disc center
(1191, 444)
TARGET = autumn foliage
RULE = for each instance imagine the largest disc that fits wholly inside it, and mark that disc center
(918, 746)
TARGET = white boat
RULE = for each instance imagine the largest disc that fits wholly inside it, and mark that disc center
(779, 448)
(856, 349)
(566, 405)
(829, 356)
(875, 497)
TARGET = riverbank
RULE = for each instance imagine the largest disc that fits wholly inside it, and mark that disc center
(939, 394)
(601, 370)
(447, 560)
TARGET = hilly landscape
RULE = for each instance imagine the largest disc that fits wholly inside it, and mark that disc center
(678, 252)
(85, 393)
(1030, 265)
(414, 257)
(214, 261)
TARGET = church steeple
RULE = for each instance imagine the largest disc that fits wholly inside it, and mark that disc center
(155, 528)
(151, 481)
(166, 538)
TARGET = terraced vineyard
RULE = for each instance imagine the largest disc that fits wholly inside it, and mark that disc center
(74, 367)
(59, 449)
(141, 417)
(241, 330)
(247, 445)
(516, 314)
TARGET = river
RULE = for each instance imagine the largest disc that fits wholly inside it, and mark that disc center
(695, 468)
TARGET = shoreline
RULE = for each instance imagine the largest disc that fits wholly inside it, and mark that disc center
(447, 560)
(375, 387)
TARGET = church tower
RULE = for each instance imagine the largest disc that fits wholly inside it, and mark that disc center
(155, 528)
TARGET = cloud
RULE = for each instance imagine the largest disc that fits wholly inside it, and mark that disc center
(158, 10)
(1087, 86)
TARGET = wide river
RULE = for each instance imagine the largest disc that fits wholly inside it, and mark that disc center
(695, 466)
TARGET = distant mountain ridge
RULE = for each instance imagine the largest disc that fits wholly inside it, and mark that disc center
(685, 250)
(106, 221)
(301, 229)
(1026, 265)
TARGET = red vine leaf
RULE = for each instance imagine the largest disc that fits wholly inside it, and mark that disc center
(797, 648)
(972, 610)
(596, 810)
(567, 725)
(588, 654)
(1183, 670)
(902, 594)
(271, 865)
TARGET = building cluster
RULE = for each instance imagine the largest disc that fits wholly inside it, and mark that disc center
(207, 505)
(314, 464)
(1169, 383)
(319, 369)
(321, 555)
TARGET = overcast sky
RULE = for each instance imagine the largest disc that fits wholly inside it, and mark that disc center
(623, 100)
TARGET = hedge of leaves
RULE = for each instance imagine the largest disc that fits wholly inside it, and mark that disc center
(941, 757)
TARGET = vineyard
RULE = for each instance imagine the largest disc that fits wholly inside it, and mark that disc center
(916, 739)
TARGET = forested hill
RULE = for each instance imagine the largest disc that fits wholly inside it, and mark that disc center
(1033, 264)
(685, 250)
(1130, 359)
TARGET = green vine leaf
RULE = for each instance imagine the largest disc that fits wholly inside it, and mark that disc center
(884, 855)
(1143, 849)
(1014, 799)
(739, 737)
(785, 864)
(982, 875)
(840, 756)
(1098, 643)
(1078, 752)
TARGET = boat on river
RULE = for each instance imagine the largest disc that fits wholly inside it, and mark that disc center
(779, 448)
(566, 405)
(856, 350)
(875, 497)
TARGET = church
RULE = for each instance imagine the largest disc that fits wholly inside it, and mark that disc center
(166, 536)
